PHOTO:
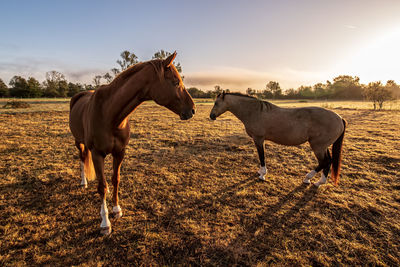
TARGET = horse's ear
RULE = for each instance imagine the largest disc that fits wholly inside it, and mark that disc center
(168, 61)
(223, 94)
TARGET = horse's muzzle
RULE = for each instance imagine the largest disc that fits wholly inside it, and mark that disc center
(187, 115)
(212, 116)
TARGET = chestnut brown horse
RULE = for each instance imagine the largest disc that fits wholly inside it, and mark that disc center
(99, 120)
(288, 126)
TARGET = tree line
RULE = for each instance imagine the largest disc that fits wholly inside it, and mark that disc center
(341, 87)
(56, 85)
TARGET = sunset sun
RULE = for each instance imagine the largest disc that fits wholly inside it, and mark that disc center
(378, 59)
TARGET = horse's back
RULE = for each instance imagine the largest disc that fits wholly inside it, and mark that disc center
(294, 126)
(325, 125)
(325, 117)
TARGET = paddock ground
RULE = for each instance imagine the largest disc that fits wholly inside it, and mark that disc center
(190, 195)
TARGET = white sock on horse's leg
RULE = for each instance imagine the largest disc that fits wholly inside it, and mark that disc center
(322, 180)
(105, 222)
(309, 176)
(117, 211)
(262, 171)
(84, 180)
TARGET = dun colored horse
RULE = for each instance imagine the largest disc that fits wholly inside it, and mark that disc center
(99, 120)
(288, 126)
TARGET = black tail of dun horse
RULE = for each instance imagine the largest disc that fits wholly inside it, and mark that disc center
(337, 155)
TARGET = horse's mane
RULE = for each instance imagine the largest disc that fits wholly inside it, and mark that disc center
(126, 74)
(262, 103)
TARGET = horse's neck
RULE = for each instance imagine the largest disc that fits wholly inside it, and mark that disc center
(243, 108)
(122, 99)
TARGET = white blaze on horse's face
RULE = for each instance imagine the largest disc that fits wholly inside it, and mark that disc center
(220, 107)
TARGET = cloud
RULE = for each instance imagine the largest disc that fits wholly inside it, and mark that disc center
(352, 27)
(241, 79)
(232, 78)
(9, 47)
(84, 75)
(37, 68)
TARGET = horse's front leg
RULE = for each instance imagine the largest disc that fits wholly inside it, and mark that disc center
(117, 160)
(260, 149)
(98, 162)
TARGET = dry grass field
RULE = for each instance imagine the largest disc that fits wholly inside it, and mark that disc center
(190, 195)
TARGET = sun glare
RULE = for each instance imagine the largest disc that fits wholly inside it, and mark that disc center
(378, 59)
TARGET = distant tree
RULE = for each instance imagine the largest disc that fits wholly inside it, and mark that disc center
(88, 87)
(127, 59)
(19, 87)
(274, 88)
(162, 54)
(217, 91)
(4, 91)
(62, 89)
(266, 94)
(377, 93)
(73, 89)
(305, 92)
(34, 88)
(346, 87)
(115, 71)
(250, 91)
(291, 93)
(55, 84)
(320, 90)
(394, 88)
(197, 93)
(108, 77)
(97, 81)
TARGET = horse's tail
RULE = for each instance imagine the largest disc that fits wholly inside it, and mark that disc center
(89, 167)
(337, 155)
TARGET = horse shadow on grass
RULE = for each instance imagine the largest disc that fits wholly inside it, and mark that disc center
(173, 221)
(261, 231)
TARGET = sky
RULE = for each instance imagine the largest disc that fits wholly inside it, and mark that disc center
(234, 44)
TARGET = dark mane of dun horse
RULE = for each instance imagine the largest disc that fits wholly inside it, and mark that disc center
(99, 119)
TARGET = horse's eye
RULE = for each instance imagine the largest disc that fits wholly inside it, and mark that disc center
(176, 83)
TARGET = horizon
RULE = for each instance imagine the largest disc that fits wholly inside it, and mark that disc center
(232, 44)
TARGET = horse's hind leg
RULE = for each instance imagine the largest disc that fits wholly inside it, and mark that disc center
(324, 163)
(260, 149)
(117, 160)
(82, 156)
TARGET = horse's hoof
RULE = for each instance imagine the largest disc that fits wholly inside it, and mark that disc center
(311, 174)
(117, 215)
(317, 184)
(84, 186)
(105, 230)
(262, 177)
(117, 212)
(306, 181)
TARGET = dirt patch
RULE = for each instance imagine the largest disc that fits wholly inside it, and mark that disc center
(16, 104)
